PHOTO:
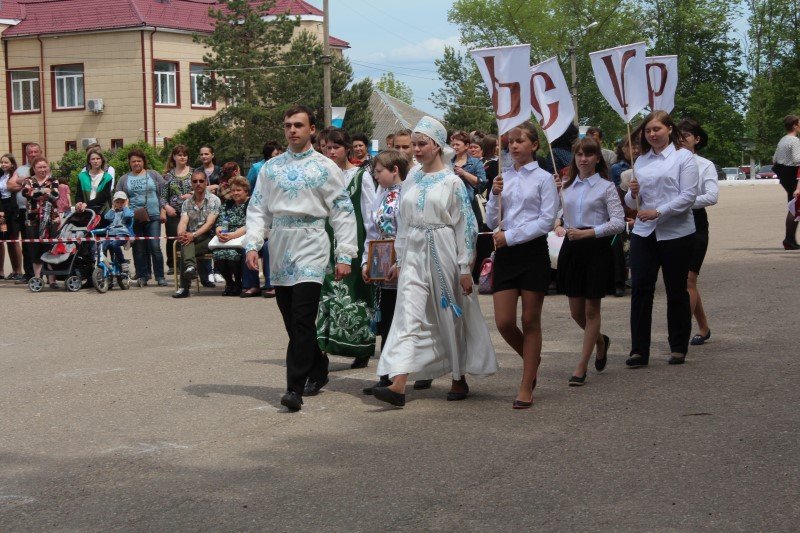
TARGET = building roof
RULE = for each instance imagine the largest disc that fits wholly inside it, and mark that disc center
(391, 114)
(42, 17)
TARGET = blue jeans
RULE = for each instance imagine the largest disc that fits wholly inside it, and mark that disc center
(150, 250)
(250, 277)
(116, 250)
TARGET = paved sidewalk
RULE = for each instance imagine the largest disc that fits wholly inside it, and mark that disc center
(134, 411)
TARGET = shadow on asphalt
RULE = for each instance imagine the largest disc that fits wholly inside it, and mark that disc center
(270, 395)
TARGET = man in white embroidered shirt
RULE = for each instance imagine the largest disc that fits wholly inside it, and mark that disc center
(295, 194)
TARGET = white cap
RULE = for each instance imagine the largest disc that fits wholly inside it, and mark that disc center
(120, 195)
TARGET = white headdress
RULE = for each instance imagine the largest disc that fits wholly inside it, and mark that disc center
(432, 128)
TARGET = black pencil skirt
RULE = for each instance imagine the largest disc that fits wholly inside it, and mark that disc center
(700, 240)
(523, 267)
(586, 268)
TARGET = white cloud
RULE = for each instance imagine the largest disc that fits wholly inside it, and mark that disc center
(427, 50)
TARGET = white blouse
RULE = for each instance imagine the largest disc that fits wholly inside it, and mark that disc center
(708, 186)
(530, 202)
(593, 203)
(667, 183)
(787, 152)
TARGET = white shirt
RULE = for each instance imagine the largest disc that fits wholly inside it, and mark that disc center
(23, 171)
(368, 192)
(708, 187)
(593, 203)
(667, 183)
(787, 152)
(530, 202)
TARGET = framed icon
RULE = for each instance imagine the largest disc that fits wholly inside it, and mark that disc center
(380, 259)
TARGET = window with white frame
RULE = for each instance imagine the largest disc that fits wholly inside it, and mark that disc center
(166, 83)
(199, 88)
(68, 82)
(25, 91)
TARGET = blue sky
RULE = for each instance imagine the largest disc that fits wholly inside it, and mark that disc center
(403, 37)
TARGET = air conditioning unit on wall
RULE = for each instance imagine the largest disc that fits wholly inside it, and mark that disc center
(95, 105)
(88, 141)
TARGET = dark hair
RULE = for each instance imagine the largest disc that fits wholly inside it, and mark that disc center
(227, 170)
(38, 160)
(790, 121)
(389, 159)
(178, 149)
(588, 146)
(689, 125)
(390, 136)
(460, 135)
(269, 148)
(664, 118)
(340, 137)
(239, 181)
(530, 131)
(299, 108)
(89, 155)
(489, 146)
(593, 130)
(358, 137)
(13, 161)
(567, 138)
(210, 149)
(137, 153)
(200, 172)
(322, 135)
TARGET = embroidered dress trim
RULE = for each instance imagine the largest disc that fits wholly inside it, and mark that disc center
(302, 221)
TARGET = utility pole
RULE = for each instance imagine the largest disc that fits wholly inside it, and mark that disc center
(574, 90)
(326, 64)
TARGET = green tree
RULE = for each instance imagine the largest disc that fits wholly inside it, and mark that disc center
(359, 117)
(463, 97)
(396, 88)
(242, 47)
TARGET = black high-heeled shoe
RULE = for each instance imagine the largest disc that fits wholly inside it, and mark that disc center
(789, 245)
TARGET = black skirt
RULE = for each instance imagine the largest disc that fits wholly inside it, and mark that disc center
(523, 267)
(586, 268)
(700, 240)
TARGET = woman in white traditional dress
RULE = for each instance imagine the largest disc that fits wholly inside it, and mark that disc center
(438, 327)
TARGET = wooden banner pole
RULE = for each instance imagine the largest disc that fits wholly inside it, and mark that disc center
(630, 148)
(555, 171)
(500, 196)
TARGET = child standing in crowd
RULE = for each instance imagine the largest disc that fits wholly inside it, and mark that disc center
(390, 168)
(522, 260)
(120, 224)
(592, 215)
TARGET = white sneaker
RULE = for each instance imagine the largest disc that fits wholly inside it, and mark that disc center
(216, 278)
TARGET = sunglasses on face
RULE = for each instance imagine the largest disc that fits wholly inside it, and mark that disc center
(198, 181)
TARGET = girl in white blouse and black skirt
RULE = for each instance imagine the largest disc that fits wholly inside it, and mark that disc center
(593, 215)
(522, 261)
(666, 178)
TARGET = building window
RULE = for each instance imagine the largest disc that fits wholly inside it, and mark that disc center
(25, 91)
(116, 144)
(68, 87)
(199, 86)
(70, 146)
(166, 83)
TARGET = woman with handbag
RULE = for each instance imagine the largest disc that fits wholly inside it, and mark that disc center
(592, 216)
(438, 326)
(144, 190)
(522, 261)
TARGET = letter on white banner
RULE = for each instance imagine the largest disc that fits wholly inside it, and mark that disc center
(550, 98)
(621, 77)
(505, 72)
(662, 82)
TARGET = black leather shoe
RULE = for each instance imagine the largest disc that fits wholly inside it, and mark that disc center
(422, 384)
(385, 394)
(699, 340)
(382, 382)
(313, 387)
(576, 381)
(360, 363)
(228, 290)
(292, 401)
(181, 293)
(676, 359)
(190, 272)
(455, 396)
(600, 364)
(636, 361)
(208, 284)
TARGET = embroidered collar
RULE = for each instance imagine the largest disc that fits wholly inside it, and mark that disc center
(301, 155)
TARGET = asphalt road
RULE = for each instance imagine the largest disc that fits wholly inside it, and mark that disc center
(134, 411)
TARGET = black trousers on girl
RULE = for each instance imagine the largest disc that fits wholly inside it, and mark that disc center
(648, 255)
(299, 305)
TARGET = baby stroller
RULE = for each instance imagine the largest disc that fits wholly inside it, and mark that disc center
(106, 270)
(70, 261)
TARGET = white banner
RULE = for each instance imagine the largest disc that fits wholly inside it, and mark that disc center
(337, 116)
(621, 77)
(662, 82)
(550, 98)
(505, 72)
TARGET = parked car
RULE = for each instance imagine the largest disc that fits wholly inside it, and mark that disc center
(765, 173)
(733, 173)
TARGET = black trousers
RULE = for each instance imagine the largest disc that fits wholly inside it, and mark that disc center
(387, 303)
(171, 226)
(304, 360)
(648, 256)
(618, 256)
